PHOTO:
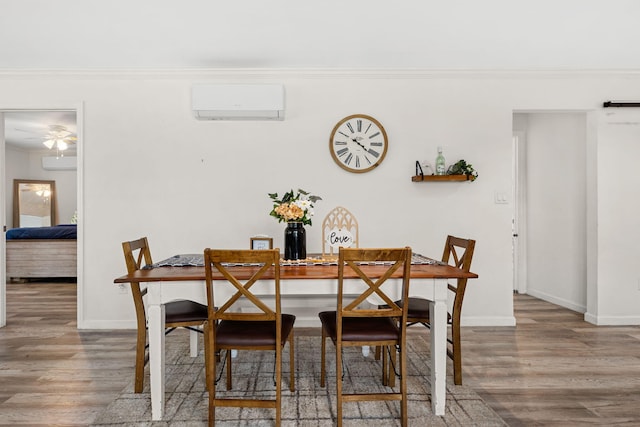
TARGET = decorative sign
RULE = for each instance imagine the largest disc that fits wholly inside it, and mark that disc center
(339, 237)
(261, 242)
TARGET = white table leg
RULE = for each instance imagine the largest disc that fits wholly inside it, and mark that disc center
(438, 319)
(193, 340)
(155, 313)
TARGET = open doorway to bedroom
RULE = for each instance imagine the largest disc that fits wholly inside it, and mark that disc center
(41, 247)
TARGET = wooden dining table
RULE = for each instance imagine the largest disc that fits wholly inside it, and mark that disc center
(428, 280)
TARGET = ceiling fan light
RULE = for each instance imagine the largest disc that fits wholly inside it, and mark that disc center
(62, 145)
(49, 143)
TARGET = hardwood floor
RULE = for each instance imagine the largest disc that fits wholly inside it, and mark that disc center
(552, 369)
(50, 372)
(555, 369)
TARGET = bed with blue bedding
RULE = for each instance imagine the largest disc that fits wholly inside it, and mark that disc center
(42, 252)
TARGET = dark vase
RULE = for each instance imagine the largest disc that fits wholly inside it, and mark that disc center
(295, 241)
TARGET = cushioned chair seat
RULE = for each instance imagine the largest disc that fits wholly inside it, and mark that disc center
(184, 311)
(360, 328)
(242, 333)
(418, 308)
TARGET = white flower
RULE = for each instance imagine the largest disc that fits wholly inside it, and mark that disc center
(303, 204)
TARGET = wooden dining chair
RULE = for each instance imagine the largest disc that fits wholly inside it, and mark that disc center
(179, 313)
(355, 324)
(458, 252)
(244, 321)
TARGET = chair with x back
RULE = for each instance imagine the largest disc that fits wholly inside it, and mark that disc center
(244, 320)
(180, 313)
(458, 252)
(354, 323)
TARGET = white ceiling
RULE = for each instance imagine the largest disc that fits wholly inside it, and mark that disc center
(424, 34)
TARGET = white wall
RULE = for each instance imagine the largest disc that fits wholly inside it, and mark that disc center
(618, 232)
(28, 165)
(151, 169)
(556, 208)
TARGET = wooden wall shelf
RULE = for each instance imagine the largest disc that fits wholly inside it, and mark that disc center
(441, 178)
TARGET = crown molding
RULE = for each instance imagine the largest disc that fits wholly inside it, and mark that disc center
(272, 73)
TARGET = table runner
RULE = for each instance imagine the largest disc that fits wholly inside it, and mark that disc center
(197, 260)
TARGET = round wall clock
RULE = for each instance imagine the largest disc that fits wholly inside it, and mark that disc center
(358, 143)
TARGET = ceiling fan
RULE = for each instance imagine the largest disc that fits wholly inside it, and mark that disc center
(59, 137)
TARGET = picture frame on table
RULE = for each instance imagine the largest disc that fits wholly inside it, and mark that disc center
(261, 243)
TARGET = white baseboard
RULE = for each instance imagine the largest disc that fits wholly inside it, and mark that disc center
(612, 320)
(571, 305)
(108, 324)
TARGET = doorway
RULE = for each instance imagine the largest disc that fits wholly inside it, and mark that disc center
(28, 137)
(550, 250)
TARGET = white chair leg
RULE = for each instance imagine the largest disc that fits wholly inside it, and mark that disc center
(193, 338)
(365, 350)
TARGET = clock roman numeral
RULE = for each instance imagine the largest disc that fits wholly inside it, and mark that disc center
(350, 127)
(340, 142)
(376, 144)
(373, 152)
(359, 125)
(368, 127)
(342, 152)
(357, 161)
(343, 134)
(348, 159)
(374, 135)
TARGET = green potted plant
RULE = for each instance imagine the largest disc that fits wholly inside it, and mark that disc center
(461, 167)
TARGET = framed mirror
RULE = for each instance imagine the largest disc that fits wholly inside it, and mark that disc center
(34, 203)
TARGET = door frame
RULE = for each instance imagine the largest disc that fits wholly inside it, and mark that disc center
(519, 221)
(3, 220)
(78, 107)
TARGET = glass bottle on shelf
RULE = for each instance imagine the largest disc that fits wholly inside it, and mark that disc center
(440, 167)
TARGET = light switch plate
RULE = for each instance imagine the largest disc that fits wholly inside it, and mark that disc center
(501, 198)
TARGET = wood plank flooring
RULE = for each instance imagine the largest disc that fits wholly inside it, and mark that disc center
(552, 369)
(50, 372)
(555, 369)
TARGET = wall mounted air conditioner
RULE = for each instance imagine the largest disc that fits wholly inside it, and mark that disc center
(66, 163)
(238, 102)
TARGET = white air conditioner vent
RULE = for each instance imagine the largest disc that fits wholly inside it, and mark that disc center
(238, 102)
(66, 163)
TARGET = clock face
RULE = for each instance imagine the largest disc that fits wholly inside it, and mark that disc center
(358, 143)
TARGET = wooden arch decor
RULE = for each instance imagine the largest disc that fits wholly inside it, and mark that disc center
(342, 219)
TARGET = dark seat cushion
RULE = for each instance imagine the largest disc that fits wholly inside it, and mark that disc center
(418, 309)
(184, 311)
(250, 333)
(360, 328)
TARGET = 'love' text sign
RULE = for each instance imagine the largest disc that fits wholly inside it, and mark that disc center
(339, 237)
